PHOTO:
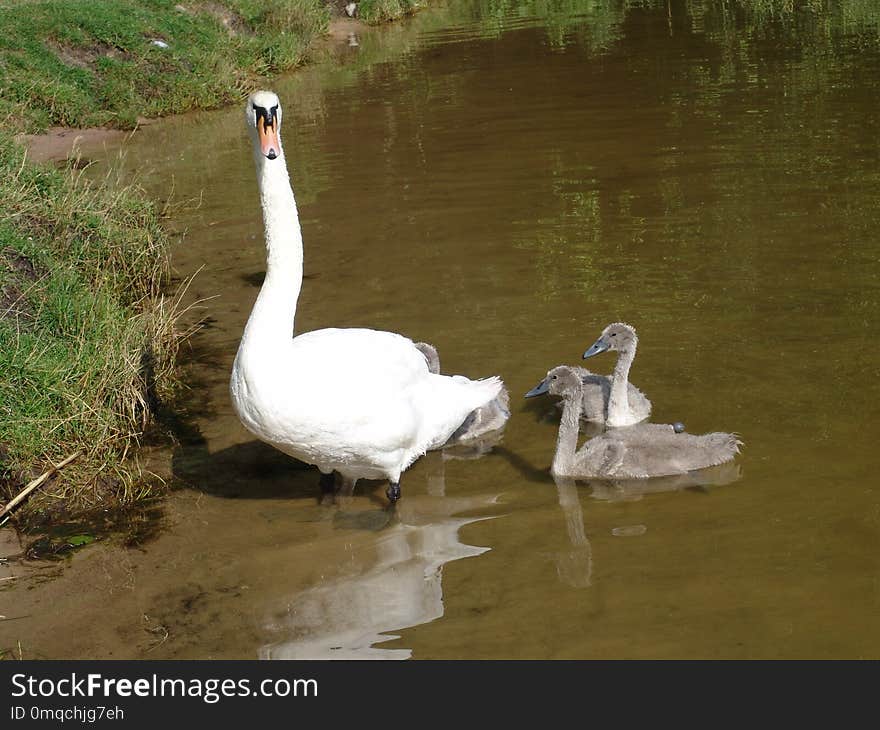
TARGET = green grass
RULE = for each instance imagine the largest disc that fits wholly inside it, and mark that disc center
(86, 339)
(93, 62)
(382, 11)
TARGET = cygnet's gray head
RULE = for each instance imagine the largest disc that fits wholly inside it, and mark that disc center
(263, 117)
(561, 380)
(617, 336)
(432, 357)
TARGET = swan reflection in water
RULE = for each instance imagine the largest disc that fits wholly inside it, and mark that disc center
(344, 617)
(575, 565)
(631, 490)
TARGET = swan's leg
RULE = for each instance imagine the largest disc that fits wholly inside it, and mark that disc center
(344, 490)
(328, 483)
(393, 492)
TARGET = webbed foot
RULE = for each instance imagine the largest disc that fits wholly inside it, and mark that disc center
(393, 492)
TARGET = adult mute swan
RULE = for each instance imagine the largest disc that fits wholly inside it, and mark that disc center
(632, 452)
(356, 401)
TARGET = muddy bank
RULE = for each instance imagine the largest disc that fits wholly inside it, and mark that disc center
(205, 591)
(341, 30)
(60, 143)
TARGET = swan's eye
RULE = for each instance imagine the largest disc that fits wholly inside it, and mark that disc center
(614, 334)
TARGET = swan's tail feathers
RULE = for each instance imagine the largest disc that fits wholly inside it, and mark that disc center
(496, 406)
(488, 418)
(490, 386)
(722, 447)
(731, 441)
(485, 391)
(502, 400)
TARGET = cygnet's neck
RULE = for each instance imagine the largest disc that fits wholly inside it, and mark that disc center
(272, 318)
(569, 426)
(618, 399)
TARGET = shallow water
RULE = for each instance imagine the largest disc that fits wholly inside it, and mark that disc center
(503, 185)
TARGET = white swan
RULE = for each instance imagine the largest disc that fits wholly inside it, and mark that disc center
(356, 401)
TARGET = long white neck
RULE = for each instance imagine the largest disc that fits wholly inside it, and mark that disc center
(567, 439)
(271, 322)
(618, 400)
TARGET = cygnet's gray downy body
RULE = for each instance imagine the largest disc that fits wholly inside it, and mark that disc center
(631, 452)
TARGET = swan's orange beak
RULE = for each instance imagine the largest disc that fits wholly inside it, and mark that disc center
(268, 133)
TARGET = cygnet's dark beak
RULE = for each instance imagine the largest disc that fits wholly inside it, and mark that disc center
(539, 389)
(599, 346)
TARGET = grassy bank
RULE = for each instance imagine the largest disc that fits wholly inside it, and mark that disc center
(107, 62)
(382, 11)
(86, 339)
